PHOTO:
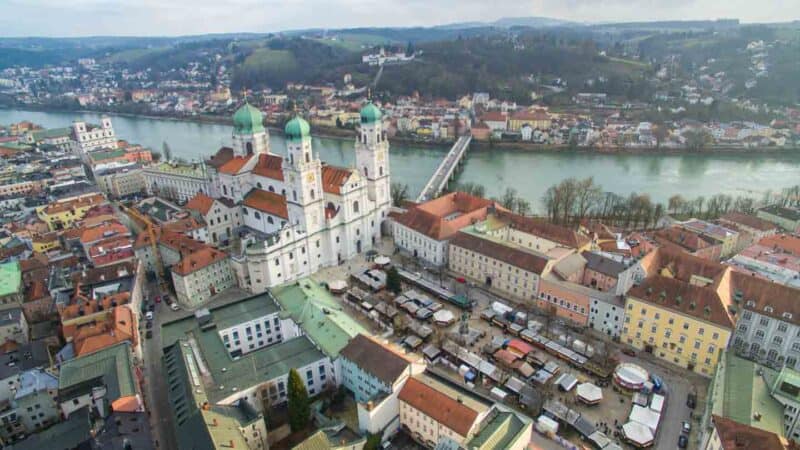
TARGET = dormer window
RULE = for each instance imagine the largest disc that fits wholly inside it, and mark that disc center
(787, 315)
(751, 303)
(768, 309)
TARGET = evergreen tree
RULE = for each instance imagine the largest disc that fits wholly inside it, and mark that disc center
(393, 280)
(299, 404)
(167, 152)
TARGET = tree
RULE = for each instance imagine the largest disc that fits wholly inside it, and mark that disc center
(373, 442)
(299, 405)
(338, 122)
(393, 281)
(509, 199)
(166, 151)
(399, 193)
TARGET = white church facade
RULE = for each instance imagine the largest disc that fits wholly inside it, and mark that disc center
(297, 213)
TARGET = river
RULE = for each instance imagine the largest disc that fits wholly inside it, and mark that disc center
(530, 173)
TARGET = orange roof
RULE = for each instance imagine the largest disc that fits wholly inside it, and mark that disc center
(184, 225)
(544, 229)
(66, 205)
(198, 260)
(700, 302)
(179, 242)
(117, 326)
(333, 178)
(429, 218)
(439, 406)
(201, 203)
(269, 166)
(748, 221)
(90, 307)
(104, 231)
(235, 164)
(737, 436)
(789, 244)
(268, 202)
(130, 403)
(493, 116)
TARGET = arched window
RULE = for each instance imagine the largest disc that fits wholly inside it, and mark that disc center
(366, 171)
(249, 146)
(294, 195)
(308, 157)
(259, 185)
(283, 192)
(355, 206)
(225, 189)
(291, 158)
(269, 219)
(258, 215)
(271, 189)
(380, 170)
(312, 194)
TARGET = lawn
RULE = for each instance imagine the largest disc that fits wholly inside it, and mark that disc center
(127, 56)
(265, 59)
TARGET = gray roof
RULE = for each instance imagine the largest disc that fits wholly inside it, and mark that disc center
(73, 432)
(109, 367)
(10, 316)
(375, 359)
(604, 265)
(780, 211)
(24, 357)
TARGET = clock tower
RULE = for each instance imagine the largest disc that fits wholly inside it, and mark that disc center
(302, 173)
(372, 155)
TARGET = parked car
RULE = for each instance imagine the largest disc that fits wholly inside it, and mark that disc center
(174, 306)
(691, 401)
(683, 441)
(158, 299)
(149, 324)
(149, 315)
(686, 427)
(629, 351)
(149, 334)
(658, 383)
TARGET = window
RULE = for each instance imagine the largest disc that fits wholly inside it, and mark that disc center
(311, 193)
(355, 206)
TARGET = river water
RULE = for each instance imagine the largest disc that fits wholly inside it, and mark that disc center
(530, 173)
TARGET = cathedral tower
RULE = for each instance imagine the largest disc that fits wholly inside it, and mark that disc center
(249, 135)
(302, 173)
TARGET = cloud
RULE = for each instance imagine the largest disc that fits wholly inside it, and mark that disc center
(177, 17)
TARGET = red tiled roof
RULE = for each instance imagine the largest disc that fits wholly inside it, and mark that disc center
(507, 254)
(439, 406)
(544, 229)
(333, 178)
(198, 260)
(269, 166)
(184, 225)
(764, 293)
(700, 302)
(268, 202)
(429, 218)
(680, 264)
(748, 221)
(789, 244)
(493, 116)
(223, 155)
(737, 436)
(104, 231)
(179, 242)
(201, 203)
(235, 164)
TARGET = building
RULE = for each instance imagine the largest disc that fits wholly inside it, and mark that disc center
(508, 269)
(691, 242)
(728, 434)
(423, 230)
(11, 287)
(299, 214)
(63, 213)
(785, 389)
(728, 238)
(90, 137)
(176, 181)
(33, 407)
(13, 326)
(221, 216)
(195, 345)
(786, 218)
(432, 410)
(751, 228)
(677, 315)
(120, 180)
(201, 275)
(536, 119)
(103, 381)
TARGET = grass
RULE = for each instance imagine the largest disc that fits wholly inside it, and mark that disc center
(271, 60)
(126, 56)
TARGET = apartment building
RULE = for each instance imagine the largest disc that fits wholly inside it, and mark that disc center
(201, 275)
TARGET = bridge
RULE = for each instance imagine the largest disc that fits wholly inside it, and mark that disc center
(446, 170)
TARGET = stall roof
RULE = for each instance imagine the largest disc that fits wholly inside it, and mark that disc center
(515, 385)
(645, 416)
(638, 433)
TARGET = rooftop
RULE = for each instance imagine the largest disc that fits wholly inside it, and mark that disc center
(174, 168)
(500, 251)
(442, 217)
(501, 430)
(748, 221)
(10, 278)
(602, 264)
(322, 317)
(109, 367)
(699, 302)
(444, 403)
(737, 436)
(780, 211)
(268, 202)
(376, 359)
(539, 227)
(199, 260)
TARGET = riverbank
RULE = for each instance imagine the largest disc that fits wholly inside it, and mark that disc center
(665, 151)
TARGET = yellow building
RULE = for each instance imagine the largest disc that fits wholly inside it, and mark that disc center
(537, 118)
(686, 324)
(43, 243)
(64, 213)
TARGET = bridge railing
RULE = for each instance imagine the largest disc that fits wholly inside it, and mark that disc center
(445, 169)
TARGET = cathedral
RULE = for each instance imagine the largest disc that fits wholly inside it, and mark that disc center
(294, 213)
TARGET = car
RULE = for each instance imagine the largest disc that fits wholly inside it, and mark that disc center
(151, 307)
(149, 315)
(149, 334)
(149, 324)
(658, 383)
(683, 441)
(686, 427)
(174, 306)
(629, 351)
(158, 299)
(691, 400)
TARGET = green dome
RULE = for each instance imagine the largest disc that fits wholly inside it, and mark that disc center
(297, 129)
(248, 119)
(370, 113)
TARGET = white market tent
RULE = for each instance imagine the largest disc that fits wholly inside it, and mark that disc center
(382, 260)
(657, 403)
(631, 376)
(589, 393)
(444, 316)
(638, 434)
(645, 416)
(337, 285)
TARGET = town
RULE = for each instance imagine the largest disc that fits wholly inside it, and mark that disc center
(264, 298)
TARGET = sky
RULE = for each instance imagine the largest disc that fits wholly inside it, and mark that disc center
(184, 17)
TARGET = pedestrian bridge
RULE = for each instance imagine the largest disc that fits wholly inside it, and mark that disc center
(446, 170)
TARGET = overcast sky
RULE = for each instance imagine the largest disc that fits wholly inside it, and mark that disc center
(181, 17)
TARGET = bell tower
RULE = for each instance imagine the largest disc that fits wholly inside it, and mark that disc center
(249, 135)
(372, 154)
(302, 173)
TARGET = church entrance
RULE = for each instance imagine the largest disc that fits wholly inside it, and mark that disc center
(489, 281)
(358, 246)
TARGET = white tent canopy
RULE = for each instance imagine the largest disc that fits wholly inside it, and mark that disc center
(382, 260)
(443, 316)
(638, 433)
(589, 393)
(337, 285)
(645, 416)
